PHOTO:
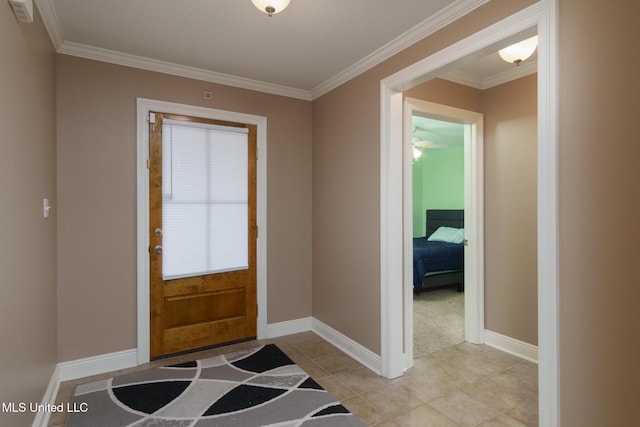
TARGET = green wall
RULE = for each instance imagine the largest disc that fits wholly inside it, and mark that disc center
(438, 183)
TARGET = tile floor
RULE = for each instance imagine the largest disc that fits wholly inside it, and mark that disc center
(462, 386)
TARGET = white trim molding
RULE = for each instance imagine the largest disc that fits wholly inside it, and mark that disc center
(96, 365)
(150, 64)
(523, 70)
(511, 345)
(289, 327)
(144, 106)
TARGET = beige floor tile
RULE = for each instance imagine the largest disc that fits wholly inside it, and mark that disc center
(310, 367)
(501, 421)
(364, 410)
(361, 380)
(424, 416)
(336, 388)
(388, 423)
(526, 413)
(463, 409)
(428, 387)
(505, 390)
(334, 363)
(315, 348)
(392, 400)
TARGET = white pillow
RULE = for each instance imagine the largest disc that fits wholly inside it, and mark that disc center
(448, 234)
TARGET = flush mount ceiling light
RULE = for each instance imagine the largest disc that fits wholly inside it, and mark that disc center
(516, 53)
(271, 6)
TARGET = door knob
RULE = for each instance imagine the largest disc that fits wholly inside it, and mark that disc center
(157, 249)
(157, 232)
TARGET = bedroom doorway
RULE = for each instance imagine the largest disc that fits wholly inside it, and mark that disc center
(456, 142)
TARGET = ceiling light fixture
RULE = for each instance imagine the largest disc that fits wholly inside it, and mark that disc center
(516, 53)
(271, 6)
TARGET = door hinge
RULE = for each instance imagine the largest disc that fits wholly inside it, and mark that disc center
(152, 118)
(148, 164)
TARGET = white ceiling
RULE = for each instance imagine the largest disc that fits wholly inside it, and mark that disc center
(304, 51)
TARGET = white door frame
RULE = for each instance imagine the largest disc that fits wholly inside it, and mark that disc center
(542, 15)
(144, 106)
(473, 218)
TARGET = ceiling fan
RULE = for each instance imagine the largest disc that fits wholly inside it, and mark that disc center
(418, 144)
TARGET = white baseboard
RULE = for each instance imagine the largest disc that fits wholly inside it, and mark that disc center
(289, 327)
(341, 341)
(348, 346)
(511, 345)
(96, 365)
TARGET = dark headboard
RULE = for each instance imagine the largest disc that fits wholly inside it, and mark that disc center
(444, 218)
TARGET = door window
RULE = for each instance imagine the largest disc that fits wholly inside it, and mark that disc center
(204, 199)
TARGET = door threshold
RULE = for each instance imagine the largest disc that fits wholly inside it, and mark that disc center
(200, 349)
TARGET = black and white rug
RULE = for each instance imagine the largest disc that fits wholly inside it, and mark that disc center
(255, 387)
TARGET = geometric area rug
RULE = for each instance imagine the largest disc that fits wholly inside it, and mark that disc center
(249, 388)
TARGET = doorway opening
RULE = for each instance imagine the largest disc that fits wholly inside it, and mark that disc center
(541, 17)
(465, 197)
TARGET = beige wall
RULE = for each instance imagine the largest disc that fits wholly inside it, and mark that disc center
(510, 211)
(448, 93)
(27, 240)
(599, 213)
(97, 198)
(346, 185)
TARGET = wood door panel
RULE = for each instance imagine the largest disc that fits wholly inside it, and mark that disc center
(201, 335)
(208, 283)
(204, 307)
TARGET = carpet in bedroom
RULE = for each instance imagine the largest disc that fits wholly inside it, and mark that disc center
(255, 387)
(438, 320)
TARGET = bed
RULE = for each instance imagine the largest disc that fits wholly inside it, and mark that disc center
(440, 263)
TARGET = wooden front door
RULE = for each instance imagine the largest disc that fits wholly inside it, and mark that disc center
(202, 208)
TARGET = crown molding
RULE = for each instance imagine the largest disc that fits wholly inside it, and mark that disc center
(467, 79)
(427, 27)
(524, 69)
(51, 23)
(443, 18)
(119, 58)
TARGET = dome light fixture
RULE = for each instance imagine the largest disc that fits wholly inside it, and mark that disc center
(516, 53)
(271, 6)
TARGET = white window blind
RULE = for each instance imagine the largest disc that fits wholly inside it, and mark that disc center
(204, 199)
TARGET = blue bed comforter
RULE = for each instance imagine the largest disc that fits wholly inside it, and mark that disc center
(432, 256)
